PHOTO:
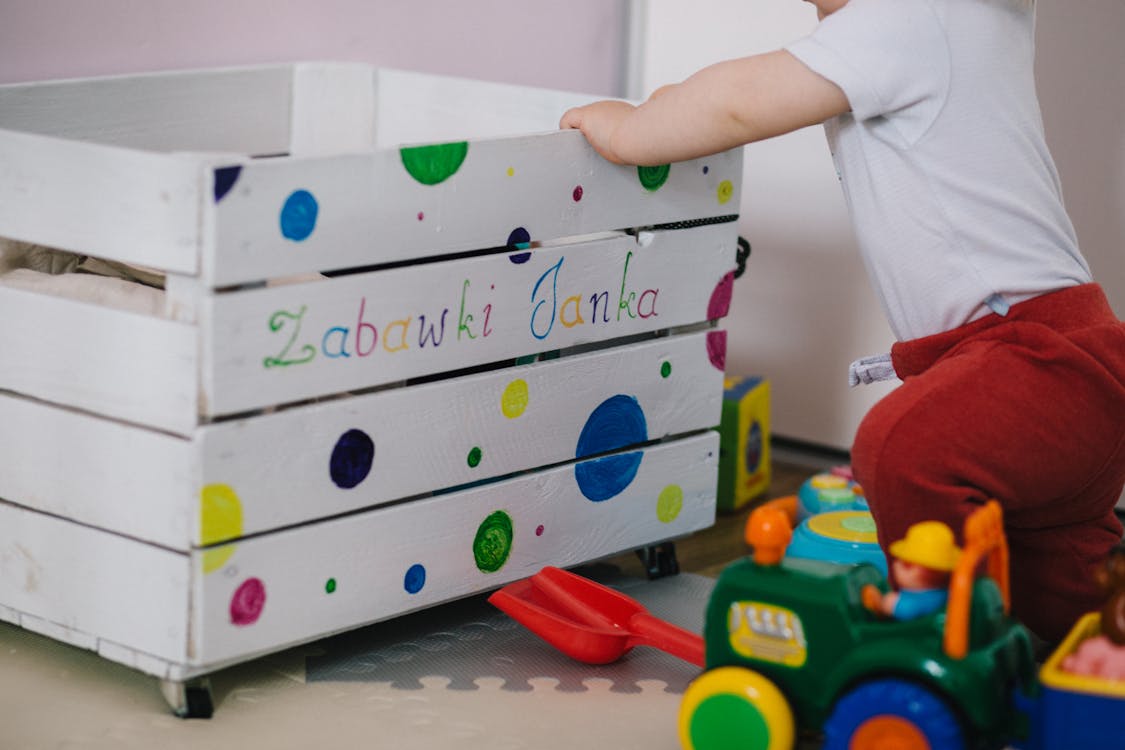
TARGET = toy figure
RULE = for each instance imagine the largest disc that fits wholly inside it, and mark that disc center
(922, 563)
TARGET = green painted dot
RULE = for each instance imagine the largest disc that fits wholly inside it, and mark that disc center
(665, 369)
(330, 586)
(653, 178)
(669, 503)
(434, 163)
(493, 542)
(861, 524)
(474, 457)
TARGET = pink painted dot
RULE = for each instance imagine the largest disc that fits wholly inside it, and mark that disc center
(539, 530)
(247, 602)
(421, 216)
(577, 194)
(719, 305)
(717, 349)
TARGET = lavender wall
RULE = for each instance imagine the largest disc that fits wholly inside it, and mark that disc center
(576, 45)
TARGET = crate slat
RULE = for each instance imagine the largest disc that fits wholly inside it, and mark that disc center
(128, 479)
(96, 584)
(119, 364)
(291, 586)
(338, 456)
(282, 217)
(234, 110)
(292, 342)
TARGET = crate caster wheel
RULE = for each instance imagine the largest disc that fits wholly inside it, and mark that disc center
(189, 699)
(659, 560)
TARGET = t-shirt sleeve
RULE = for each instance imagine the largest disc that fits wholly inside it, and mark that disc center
(886, 55)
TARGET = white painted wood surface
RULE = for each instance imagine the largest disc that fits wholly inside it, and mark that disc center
(120, 364)
(151, 485)
(452, 432)
(368, 329)
(131, 480)
(368, 556)
(365, 209)
(98, 584)
(235, 110)
(121, 204)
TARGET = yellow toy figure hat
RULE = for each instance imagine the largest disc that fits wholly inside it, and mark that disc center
(930, 544)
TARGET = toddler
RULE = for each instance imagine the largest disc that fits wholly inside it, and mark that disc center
(1011, 360)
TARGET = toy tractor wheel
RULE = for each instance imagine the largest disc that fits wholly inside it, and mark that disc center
(732, 708)
(886, 714)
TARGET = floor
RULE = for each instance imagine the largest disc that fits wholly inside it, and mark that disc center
(457, 675)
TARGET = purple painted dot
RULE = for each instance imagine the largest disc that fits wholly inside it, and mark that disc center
(577, 194)
(519, 239)
(247, 603)
(706, 169)
(717, 349)
(539, 530)
(719, 305)
(351, 460)
(415, 578)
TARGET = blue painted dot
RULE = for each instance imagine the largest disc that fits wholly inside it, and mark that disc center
(415, 579)
(616, 423)
(706, 169)
(298, 215)
(351, 459)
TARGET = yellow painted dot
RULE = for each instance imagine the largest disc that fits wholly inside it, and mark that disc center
(726, 190)
(213, 559)
(669, 503)
(511, 171)
(514, 401)
(220, 519)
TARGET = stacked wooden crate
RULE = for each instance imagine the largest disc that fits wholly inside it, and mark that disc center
(378, 376)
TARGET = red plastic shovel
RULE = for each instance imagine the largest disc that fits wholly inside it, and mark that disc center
(590, 622)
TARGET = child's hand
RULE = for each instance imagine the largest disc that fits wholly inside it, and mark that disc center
(598, 122)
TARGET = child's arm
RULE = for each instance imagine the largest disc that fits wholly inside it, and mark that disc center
(725, 105)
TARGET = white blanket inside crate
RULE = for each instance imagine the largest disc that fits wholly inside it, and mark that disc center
(80, 277)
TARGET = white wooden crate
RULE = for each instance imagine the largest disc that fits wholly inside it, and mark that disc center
(380, 375)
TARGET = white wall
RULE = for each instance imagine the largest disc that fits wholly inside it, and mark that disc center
(804, 309)
(575, 46)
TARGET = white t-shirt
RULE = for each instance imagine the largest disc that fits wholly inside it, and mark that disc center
(955, 199)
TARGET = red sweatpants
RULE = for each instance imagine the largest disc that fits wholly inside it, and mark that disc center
(1029, 409)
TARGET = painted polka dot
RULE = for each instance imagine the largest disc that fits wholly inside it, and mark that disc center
(248, 601)
(539, 530)
(224, 180)
(493, 542)
(706, 169)
(434, 163)
(421, 216)
(352, 458)
(220, 519)
(665, 369)
(719, 304)
(298, 215)
(669, 503)
(513, 402)
(725, 191)
(474, 457)
(653, 178)
(519, 239)
(577, 194)
(415, 578)
(616, 423)
(717, 349)
(330, 586)
(511, 171)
